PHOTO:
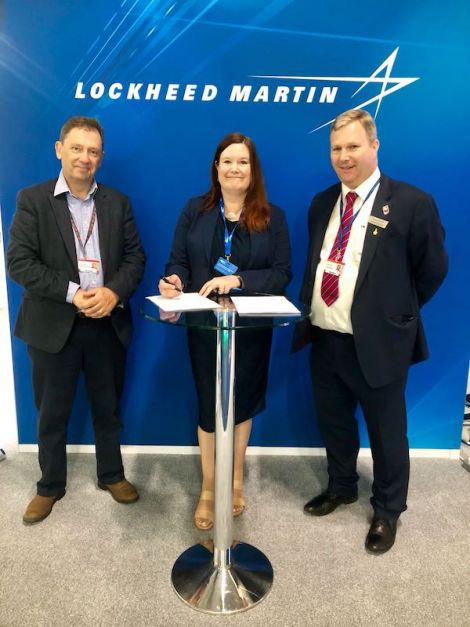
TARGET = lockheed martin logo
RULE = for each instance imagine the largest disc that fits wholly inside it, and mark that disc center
(386, 83)
(320, 90)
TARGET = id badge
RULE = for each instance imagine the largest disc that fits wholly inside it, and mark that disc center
(334, 267)
(225, 267)
(89, 265)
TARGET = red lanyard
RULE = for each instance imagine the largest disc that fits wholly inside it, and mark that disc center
(90, 230)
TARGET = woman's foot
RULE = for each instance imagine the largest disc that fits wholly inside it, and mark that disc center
(238, 499)
(204, 514)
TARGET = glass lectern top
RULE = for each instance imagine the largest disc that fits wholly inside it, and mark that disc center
(225, 317)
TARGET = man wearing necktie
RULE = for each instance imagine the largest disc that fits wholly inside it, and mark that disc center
(376, 256)
(75, 250)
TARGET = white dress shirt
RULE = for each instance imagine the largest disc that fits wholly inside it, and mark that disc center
(337, 317)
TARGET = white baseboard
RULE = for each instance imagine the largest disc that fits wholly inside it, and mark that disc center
(252, 450)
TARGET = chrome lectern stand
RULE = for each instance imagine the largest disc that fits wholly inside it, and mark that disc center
(225, 576)
(222, 576)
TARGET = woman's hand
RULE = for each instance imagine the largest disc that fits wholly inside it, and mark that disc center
(220, 285)
(170, 286)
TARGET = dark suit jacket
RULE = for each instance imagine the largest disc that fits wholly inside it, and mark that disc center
(401, 267)
(269, 265)
(42, 258)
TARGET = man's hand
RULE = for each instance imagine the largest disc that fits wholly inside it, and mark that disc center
(96, 302)
(80, 299)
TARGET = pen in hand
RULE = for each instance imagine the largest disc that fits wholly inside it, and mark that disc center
(165, 280)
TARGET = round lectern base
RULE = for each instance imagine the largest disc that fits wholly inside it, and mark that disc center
(225, 589)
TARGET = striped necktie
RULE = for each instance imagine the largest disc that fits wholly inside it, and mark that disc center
(330, 282)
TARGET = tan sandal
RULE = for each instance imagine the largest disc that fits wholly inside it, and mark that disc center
(204, 514)
(238, 501)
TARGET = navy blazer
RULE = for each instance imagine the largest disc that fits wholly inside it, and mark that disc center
(268, 269)
(401, 267)
(42, 258)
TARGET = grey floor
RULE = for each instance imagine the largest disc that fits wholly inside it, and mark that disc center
(94, 562)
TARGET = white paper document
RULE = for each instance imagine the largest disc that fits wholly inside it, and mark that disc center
(184, 302)
(264, 305)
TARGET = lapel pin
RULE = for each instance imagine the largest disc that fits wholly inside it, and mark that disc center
(374, 232)
(386, 210)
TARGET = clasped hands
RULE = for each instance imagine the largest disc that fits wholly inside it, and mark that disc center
(172, 286)
(96, 302)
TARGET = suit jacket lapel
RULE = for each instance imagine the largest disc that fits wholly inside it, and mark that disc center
(322, 219)
(208, 224)
(62, 216)
(373, 233)
(103, 217)
(258, 244)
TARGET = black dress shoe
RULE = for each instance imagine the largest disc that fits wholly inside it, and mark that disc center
(381, 536)
(326, 503)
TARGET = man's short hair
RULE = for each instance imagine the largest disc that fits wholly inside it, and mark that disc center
(356, 115)
(80, 121)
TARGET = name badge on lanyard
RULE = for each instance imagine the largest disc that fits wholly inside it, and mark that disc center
(89, 265)
(334, 267)
(223, 264)
(85, 264)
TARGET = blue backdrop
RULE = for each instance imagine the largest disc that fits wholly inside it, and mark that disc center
(168, 79)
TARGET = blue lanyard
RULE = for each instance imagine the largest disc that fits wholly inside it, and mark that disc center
(341, 225)
(227, 236)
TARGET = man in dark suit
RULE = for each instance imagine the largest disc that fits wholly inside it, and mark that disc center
(75, 249)
(376, 256)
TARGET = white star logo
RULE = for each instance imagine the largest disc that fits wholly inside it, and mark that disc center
(387, 84)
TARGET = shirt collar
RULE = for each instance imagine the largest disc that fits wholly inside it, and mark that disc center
(364, 188)
(61, 187)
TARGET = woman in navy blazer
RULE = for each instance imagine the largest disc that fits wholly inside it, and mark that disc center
(232, 222)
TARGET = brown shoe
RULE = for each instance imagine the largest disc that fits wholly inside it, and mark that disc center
(122, 491)
(39, 508)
